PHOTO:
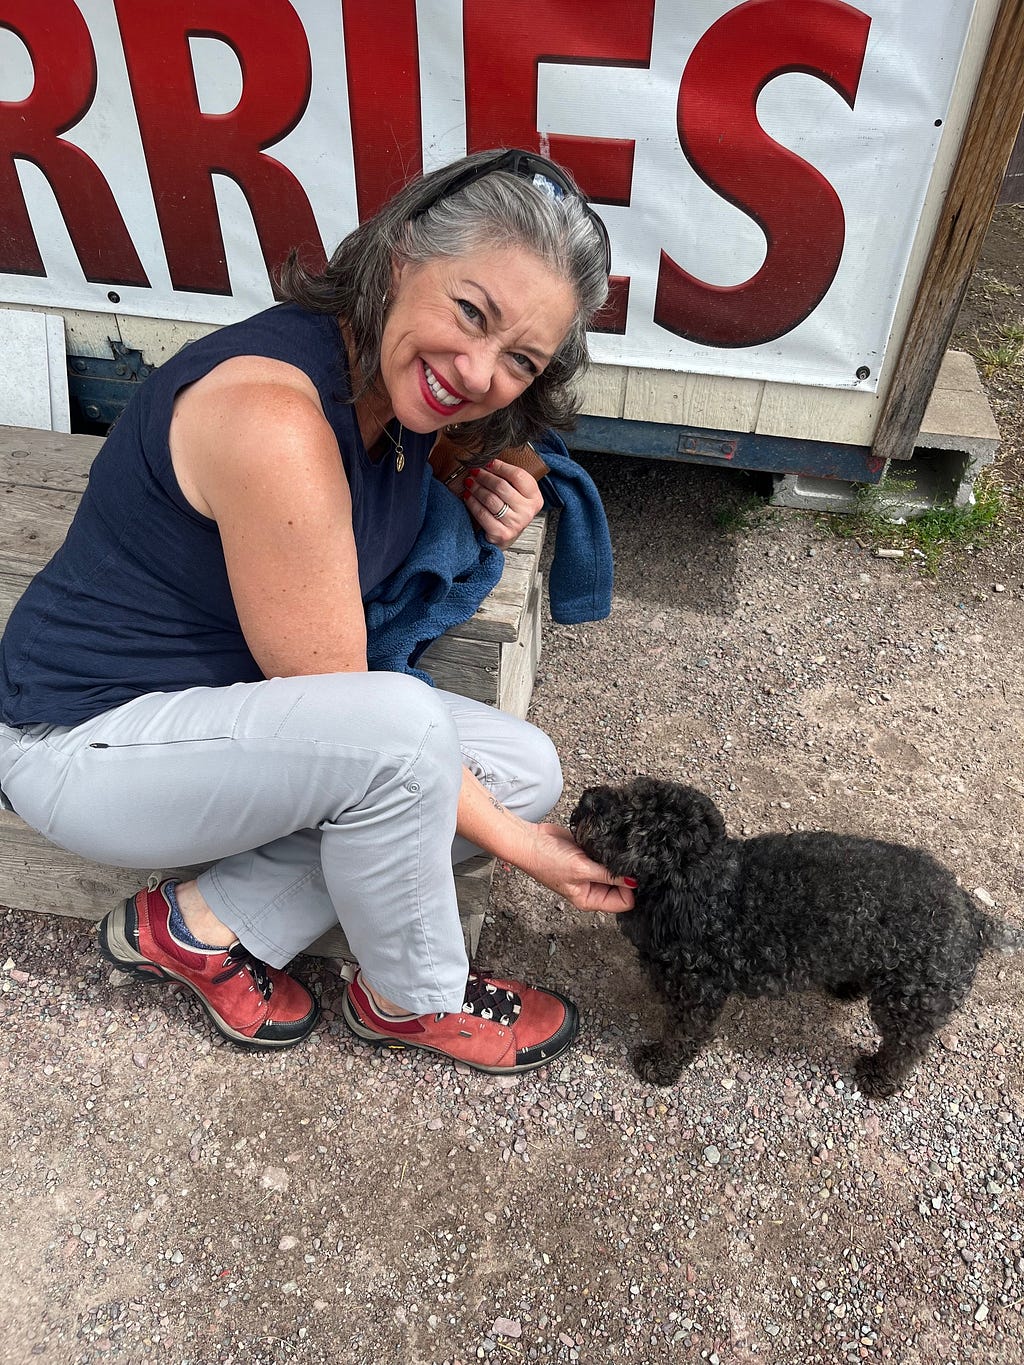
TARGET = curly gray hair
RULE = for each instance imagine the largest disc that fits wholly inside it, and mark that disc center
(424, 222)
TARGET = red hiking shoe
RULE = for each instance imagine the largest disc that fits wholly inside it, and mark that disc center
(256, 1006)
(504, 1026)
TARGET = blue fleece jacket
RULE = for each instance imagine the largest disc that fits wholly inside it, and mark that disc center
(452, 567)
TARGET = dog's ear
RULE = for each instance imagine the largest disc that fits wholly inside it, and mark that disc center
(697, 821)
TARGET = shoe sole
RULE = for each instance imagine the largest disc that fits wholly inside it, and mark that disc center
(380, 1040)
(115, 946)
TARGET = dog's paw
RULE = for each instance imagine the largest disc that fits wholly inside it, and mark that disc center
(874, 1081)
(653, 1065)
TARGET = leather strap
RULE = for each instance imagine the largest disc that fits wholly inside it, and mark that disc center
(451, 463)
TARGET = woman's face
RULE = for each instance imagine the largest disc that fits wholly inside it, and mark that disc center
(465, 335)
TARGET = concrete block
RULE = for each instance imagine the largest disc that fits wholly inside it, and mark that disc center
(958, 416)
(958, 438)
(806, 493)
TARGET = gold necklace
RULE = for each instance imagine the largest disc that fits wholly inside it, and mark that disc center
(399, 452)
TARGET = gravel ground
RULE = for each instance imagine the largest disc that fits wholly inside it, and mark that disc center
(173, 1200)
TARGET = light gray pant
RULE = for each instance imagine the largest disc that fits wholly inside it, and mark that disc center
(318, 799)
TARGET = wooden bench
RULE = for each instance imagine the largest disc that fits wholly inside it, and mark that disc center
(492, 658)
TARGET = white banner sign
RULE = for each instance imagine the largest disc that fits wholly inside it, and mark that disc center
(761, 166)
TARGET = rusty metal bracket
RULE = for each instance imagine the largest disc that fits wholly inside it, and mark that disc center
(100, 388)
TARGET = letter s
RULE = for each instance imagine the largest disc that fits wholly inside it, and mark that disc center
(794, 205)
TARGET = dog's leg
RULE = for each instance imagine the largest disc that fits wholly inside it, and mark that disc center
(907, 1023)
(692, 1005)
(847, 990)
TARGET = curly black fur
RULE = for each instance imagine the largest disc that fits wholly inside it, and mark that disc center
(714, 915)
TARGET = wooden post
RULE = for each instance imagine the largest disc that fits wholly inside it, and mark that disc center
(973, 189)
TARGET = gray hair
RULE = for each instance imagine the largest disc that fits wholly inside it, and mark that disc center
(499, 209)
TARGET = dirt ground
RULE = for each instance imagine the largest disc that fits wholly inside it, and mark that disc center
(172, 1200)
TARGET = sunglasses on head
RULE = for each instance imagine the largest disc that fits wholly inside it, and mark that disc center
(543, 174)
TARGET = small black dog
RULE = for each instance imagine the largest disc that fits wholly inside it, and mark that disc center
(782, 912)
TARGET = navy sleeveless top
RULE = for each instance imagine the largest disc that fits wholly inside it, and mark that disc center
(137, 598)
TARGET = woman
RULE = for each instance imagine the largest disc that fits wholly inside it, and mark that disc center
(185, 682)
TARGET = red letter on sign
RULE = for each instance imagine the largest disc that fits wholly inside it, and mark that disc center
(505, 44)
(64, 67)
(383, 98)
(185, 147)
(795, 206)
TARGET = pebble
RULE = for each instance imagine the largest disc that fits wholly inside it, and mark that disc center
(507, 1327)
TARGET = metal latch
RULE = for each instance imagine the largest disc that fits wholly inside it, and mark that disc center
(706, 445)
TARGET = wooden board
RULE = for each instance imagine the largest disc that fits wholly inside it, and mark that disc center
(33, 524)
(959, 234)
(692, 400)
(519, 661)
(46, 459)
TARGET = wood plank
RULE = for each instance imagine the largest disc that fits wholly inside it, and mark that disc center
(46, 459)
(813, 414)
(603, 389)
(157, 338)
(37, 875)
(527, 549)
(531, 540)
(12, 585)
(460, 665)
(970, 198)
(519, 661)
(33, 524)
(499, 614)
(718, 402)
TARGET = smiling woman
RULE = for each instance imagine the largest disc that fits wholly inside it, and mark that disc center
(197, 692)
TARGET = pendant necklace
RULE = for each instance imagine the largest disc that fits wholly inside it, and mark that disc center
(399, 452)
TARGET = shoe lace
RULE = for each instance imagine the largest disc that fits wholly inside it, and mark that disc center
(488, 1001)
(239, 959)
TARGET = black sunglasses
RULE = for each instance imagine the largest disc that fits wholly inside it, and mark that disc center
(543, 174)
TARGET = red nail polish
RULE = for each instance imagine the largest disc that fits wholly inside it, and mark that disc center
(468, 483)
(631, 882)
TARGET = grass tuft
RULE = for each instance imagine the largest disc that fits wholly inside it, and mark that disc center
(739, 512)
(931, 535)
(1003, 353)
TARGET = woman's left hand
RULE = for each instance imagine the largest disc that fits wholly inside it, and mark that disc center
(557, 862)
(502, 499)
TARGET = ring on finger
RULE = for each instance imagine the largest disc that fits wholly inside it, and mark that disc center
(501, 511)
